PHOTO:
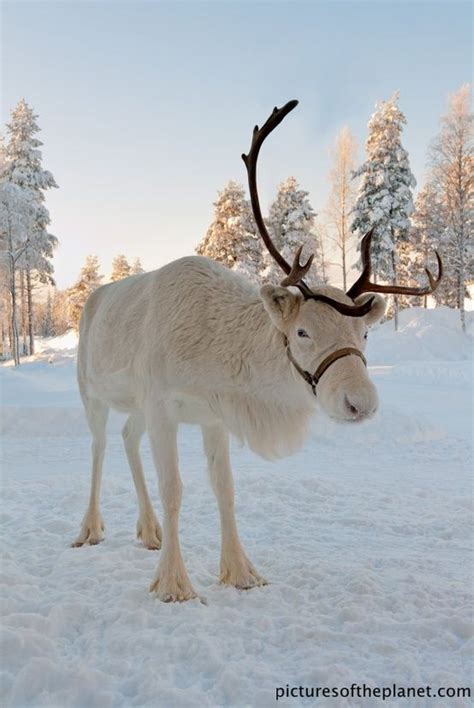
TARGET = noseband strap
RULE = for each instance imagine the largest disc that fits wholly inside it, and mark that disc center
(313, 379)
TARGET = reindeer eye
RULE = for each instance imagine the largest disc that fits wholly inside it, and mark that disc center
(366, 335)
(302, 333)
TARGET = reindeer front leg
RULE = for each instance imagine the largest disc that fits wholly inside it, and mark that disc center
(171, 582)
(236, 569)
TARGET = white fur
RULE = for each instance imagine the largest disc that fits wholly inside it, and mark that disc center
(193, 342)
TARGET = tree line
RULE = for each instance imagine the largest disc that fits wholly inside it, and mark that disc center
(27, 246)
(90, 279)
(377, 193)
(60, 310)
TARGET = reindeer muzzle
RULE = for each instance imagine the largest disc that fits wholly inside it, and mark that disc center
(313, 379)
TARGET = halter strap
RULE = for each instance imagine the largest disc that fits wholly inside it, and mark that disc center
(313, 379)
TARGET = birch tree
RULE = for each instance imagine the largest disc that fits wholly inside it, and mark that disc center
(321, 239)
(47, 323)
(4, 306)
(16, 218)
(342, 196)
(61, 321)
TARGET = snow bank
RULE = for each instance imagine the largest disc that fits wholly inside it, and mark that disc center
(363, 535)
(57, 345)
(53, 349)
(423, 335)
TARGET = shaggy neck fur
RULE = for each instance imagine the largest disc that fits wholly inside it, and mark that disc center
(267, 405)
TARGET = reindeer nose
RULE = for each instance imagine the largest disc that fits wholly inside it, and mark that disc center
(351, 407)
(357, 410)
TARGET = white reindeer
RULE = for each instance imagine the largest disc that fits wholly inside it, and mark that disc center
(193, 342)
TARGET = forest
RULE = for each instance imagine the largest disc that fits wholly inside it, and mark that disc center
(410, 222)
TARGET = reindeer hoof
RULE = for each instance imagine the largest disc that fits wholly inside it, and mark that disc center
(150, 534)
(242, 576)
(172, 589)
(92, 531)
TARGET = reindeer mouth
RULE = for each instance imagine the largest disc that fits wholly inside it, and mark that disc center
(350, 411)
(356, 420)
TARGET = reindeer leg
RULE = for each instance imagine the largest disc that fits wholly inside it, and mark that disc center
(171, 582)
(148, 528)
(236, 569)
(92, 529)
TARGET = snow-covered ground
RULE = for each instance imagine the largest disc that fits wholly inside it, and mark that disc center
(365, 537)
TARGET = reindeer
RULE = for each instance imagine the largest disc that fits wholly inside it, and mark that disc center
(195, 343)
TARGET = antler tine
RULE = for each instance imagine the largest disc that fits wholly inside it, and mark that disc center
(363, 284)
(434, 283)
(298, 270)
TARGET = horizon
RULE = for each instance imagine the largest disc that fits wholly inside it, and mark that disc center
(152, 104)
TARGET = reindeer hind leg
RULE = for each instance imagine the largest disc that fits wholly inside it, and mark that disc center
(92, 525)
(148, 527)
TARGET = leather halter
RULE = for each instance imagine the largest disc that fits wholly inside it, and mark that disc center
(313, 379)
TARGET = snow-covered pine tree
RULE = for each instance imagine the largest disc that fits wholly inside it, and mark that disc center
(89, 280)
(24, 168)
(428, 226)
(452, 161)
(3, 155)
(120, 268)
(137, 267)
(291, 224)
(232, 237)
(385, 198)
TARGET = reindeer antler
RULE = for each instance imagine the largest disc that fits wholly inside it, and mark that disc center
(295, 273)
(363, 284)
(258, 136)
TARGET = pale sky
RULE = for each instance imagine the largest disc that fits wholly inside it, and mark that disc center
(146, 107)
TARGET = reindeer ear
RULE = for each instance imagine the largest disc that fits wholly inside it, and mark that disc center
(377, 310)
(280, 303)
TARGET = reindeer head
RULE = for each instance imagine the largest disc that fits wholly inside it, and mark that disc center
(325, 329)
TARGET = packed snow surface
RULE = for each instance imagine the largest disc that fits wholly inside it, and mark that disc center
(365, 537)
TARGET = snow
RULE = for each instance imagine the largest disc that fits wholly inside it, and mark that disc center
(365, 537)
